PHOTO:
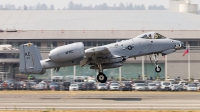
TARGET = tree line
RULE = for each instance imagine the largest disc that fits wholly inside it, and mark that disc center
(73, 6)
(25, 7)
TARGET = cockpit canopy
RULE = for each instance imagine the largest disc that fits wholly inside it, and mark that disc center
(158, 36)
(152, 36)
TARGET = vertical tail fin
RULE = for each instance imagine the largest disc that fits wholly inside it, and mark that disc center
(30, 59)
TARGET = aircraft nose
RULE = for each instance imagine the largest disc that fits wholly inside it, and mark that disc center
(179, 45)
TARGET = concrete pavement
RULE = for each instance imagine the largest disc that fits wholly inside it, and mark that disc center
(101, 100)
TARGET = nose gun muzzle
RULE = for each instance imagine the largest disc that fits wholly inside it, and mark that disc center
(179, 45)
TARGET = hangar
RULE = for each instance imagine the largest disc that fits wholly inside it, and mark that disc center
(49, 29)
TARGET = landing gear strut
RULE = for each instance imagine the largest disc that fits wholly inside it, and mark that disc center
(158, 68)
(101, 77)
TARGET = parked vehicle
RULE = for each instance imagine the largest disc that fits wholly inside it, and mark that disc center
(102, 86)
(30, 85)
(198, 86)
(89, 86)
(81, 86)
(22, 85)
(57, 78)
(152, 86)
(158, 84)
(109, 82)
(44, 83)
(7, 84)
(16, 86)
(66, 85)
(40, 87)
(165, 85)
(191, 87)
(79, 80)
(126, 86)
(1, 86)
(170, 80)
(183, 83)
(176, 87)
(133, 86)
(140, 86)
(139, 81)
(73, 87)
(114, 86)
(184, 86)
(54, 86)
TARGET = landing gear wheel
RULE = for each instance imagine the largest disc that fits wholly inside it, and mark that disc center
(101, 77)
(158, 69)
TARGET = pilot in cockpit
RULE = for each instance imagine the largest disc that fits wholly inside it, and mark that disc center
(149, 36)
(158, 36)
(155, 36)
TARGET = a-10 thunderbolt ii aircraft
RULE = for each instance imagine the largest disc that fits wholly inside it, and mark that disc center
(99, 58)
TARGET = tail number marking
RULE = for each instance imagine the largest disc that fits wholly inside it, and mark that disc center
(27, 55)
(69, 52)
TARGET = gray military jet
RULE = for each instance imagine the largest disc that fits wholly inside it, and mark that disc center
(99, 58)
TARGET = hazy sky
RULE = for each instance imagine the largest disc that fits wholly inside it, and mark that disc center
(64, 3)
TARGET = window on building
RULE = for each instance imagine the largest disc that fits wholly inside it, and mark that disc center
(111, 42)
(52, 44)
(184, 43)
(104, 42)
(194, 43)
(69, 42)
(100, 43)
(49, 44)
(93, 44)
(88, 44)
(9, 55)
(55, 44)
(20, 43)
(15, 44)
(38, 44)
(85, 43)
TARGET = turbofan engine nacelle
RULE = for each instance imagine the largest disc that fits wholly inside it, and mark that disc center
(67, 52)
(168, 52)
(106, 66)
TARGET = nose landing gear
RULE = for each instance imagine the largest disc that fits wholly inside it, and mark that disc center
(158, 68)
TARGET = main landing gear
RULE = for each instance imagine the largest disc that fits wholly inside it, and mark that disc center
(158, 68)
(101, 77)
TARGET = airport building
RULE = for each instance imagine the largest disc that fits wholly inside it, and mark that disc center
(49, 29)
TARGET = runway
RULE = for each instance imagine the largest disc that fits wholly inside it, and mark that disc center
(100, 100)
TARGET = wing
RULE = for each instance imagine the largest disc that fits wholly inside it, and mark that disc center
(102, 55)
(95, 54)
(97, 51)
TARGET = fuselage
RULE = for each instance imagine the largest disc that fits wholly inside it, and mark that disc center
(142, 46)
